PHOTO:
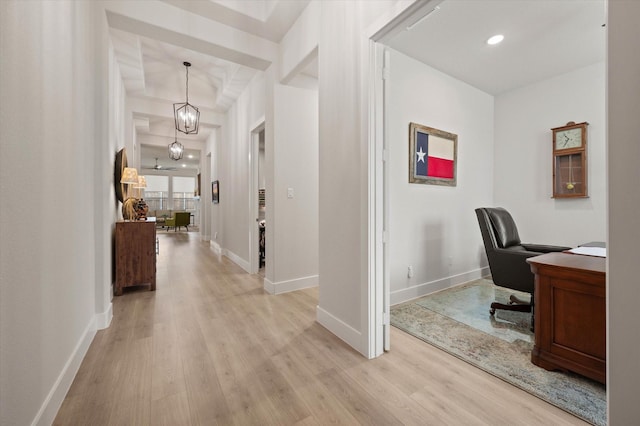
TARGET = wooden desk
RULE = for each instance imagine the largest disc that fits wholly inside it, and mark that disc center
(570, 313)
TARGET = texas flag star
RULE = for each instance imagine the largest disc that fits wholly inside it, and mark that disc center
(421, 155)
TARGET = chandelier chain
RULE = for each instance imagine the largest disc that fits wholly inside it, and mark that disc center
(187, 84)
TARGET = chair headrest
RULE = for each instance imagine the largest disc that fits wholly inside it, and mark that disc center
(504, 227)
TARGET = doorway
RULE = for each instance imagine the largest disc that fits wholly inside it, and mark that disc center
(258, 201)
(446, 253)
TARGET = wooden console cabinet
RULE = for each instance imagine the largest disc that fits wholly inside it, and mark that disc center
(135, 255)
(570, 313)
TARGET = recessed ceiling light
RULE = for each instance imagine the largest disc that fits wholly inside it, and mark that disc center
(190, 155)
(184, 165)
(495, 39)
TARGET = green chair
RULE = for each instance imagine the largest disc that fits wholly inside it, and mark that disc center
(179, 219)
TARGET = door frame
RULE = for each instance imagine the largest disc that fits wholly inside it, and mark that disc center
(404, 15)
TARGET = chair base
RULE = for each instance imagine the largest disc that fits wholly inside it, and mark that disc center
(515, 304)
(511, 307)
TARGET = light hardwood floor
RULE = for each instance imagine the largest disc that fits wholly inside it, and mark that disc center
(211, 347)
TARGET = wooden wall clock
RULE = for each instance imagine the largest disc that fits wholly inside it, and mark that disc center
(570, 160)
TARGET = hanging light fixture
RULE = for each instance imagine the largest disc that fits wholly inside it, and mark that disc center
(186, 115)
(176, 149)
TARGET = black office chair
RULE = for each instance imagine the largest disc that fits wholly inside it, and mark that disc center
(507, 256)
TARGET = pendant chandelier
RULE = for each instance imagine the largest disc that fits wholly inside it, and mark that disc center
(176, 149)
(186, 115)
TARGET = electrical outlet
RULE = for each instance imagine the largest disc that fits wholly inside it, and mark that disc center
(289, 192)
(410, 271)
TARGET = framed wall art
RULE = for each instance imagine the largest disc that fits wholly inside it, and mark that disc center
(121, 164)
(215, 195)
(432, 155)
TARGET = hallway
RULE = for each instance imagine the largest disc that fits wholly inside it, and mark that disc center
(211, 347)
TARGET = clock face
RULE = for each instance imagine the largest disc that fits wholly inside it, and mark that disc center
(571, 138)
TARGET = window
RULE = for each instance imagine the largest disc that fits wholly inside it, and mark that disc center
(184, 190)
(156, 194)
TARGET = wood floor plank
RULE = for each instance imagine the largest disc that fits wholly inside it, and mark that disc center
(131, 411)
(237, 384)
(171, 410)
(211, 347)
(288, 408)
(392, 398)
(364, 407)
(167, 376)
(81, 410)
(320, 400)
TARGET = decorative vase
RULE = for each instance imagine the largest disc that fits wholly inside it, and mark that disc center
(141, 209)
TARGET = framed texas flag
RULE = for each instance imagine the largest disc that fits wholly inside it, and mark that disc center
(432, 155)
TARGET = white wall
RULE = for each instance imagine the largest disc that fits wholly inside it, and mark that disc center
(233, 172)
(523, 148)
(434, 228)
(342, 174)
(299, 46)
(294, 261)
(623, 149)
(443, 244)
(111, 104)
(343, 84)
(290, 160)
(54, 81)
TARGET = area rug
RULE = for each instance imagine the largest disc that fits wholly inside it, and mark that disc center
(457, 321)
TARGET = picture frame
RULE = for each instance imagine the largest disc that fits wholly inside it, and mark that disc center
(215, 195)
(120, 165)
(433, 156)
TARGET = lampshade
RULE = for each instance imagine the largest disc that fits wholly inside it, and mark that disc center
(187, 117)
(142, 182)
(129, 176)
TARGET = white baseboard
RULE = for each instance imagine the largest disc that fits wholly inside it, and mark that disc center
(49, 409)
(103, 320)
(290, 285)
(341, 329)
(244, 264)
(405, 294)
(215, 247)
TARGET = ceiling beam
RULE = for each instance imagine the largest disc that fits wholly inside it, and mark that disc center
(272, 27)
(187, 30)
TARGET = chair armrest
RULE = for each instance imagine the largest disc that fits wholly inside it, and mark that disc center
(521, 254)
(544, 248)
(509, 268)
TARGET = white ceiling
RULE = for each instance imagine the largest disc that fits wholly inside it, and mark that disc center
(229, 41)
(226, 41)
(543, 38)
